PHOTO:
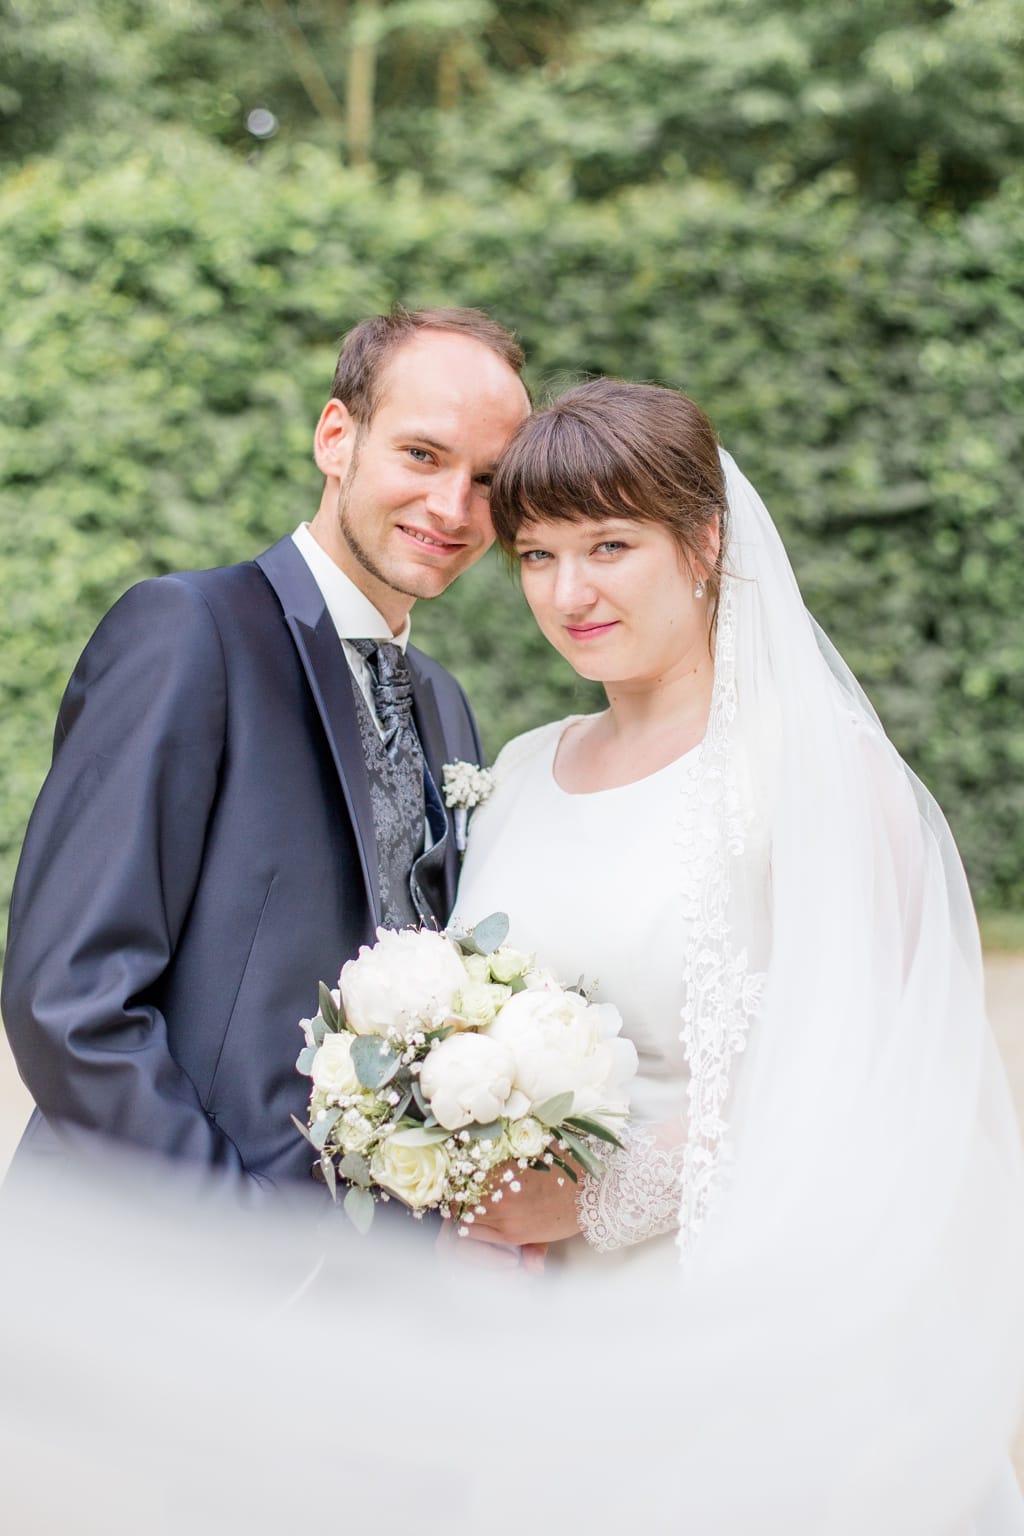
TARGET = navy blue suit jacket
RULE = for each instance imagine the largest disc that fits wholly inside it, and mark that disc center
(201, 854)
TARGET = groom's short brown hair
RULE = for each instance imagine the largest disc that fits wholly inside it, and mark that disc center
(370, 345)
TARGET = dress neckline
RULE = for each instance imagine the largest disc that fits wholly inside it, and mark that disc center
(615, 789)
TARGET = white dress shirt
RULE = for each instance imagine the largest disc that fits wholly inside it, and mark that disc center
(353, 615)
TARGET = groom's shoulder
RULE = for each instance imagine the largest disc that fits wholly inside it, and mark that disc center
(188, 615)
(212, 588)
(432, 670)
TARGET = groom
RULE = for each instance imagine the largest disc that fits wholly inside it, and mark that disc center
(245, 780)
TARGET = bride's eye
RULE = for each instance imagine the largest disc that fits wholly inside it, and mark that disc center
(533, 556)
(611, 546)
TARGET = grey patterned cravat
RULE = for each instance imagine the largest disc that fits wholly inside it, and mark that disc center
(392, 694)
(394, 763)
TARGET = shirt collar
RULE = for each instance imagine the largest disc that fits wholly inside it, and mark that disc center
(352, 613)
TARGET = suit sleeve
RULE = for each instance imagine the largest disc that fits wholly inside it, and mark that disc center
(107, 874)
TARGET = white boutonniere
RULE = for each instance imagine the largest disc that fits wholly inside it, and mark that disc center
(464, 786)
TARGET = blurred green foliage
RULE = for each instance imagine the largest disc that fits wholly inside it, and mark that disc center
(808, 223)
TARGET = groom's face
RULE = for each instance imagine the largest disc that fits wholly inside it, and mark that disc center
(413, 484)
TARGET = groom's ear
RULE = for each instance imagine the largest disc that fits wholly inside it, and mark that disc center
(334, 439)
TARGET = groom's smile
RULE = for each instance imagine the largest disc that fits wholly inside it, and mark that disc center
(431, 540)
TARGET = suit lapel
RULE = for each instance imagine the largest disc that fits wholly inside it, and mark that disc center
(428, 721)
(330, 681)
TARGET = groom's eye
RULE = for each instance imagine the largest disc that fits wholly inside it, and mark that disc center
(532, 556)
(421, 455)
(611, 546)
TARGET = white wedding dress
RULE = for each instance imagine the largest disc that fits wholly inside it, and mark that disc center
(593, 889)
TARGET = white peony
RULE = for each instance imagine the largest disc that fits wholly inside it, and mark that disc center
(563, 1044)
(468, 1078)
(411, 1168)
(333, 1071)
(406, 982)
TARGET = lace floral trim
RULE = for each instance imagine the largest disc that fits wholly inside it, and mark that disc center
(635, 1197)
(721, 994)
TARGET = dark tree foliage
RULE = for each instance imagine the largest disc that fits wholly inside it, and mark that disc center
(806, 216)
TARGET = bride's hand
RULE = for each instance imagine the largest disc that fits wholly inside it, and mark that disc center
(542, 1211)
(529, 1258)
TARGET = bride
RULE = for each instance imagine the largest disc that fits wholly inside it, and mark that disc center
(735, 854)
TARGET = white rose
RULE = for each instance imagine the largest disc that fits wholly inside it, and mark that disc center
(414, 1171)
(539, 980)
(333, 1071)
(477, 968)
(466, 1079)
(507, 964)
(527, 1137)
(563, 1044)
(478, 1001)
(406, 982)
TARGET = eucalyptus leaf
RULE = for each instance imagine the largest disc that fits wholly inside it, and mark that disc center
(303, 1130)
(359, 1208)
(489, 1132)
(304, 1060)
(329, 1011)
(356, 1168)
(490, 932)
(559, 1163)
(593, 1128)
(553, 1111)
(330, 1178)
(322, 1128)
(420, 1099)
(402, 1105)
(425, 1136)
(318, 1028)
(580, 1151)
(375, 1063)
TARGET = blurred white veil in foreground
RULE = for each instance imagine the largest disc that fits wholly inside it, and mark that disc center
(172, 1368)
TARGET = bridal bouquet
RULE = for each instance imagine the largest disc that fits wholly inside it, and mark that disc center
(443, 1063)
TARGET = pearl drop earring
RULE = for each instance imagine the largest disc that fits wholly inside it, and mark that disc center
(698, 590)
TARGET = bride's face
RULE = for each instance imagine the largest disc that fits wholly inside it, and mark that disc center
(615, 597)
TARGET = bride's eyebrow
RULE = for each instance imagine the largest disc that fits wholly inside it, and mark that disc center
(596, 528)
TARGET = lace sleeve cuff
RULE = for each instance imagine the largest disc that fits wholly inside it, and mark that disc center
(637, 1196)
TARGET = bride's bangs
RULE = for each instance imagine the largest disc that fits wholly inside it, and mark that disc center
(561, 469)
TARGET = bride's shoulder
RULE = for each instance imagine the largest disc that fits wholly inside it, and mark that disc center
(519, 754)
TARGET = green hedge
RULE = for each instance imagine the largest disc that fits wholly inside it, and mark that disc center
(170, 323)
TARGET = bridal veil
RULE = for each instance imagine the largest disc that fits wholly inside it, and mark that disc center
(853, 1202)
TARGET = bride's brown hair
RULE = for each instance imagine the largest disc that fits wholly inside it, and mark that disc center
(614, 449)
